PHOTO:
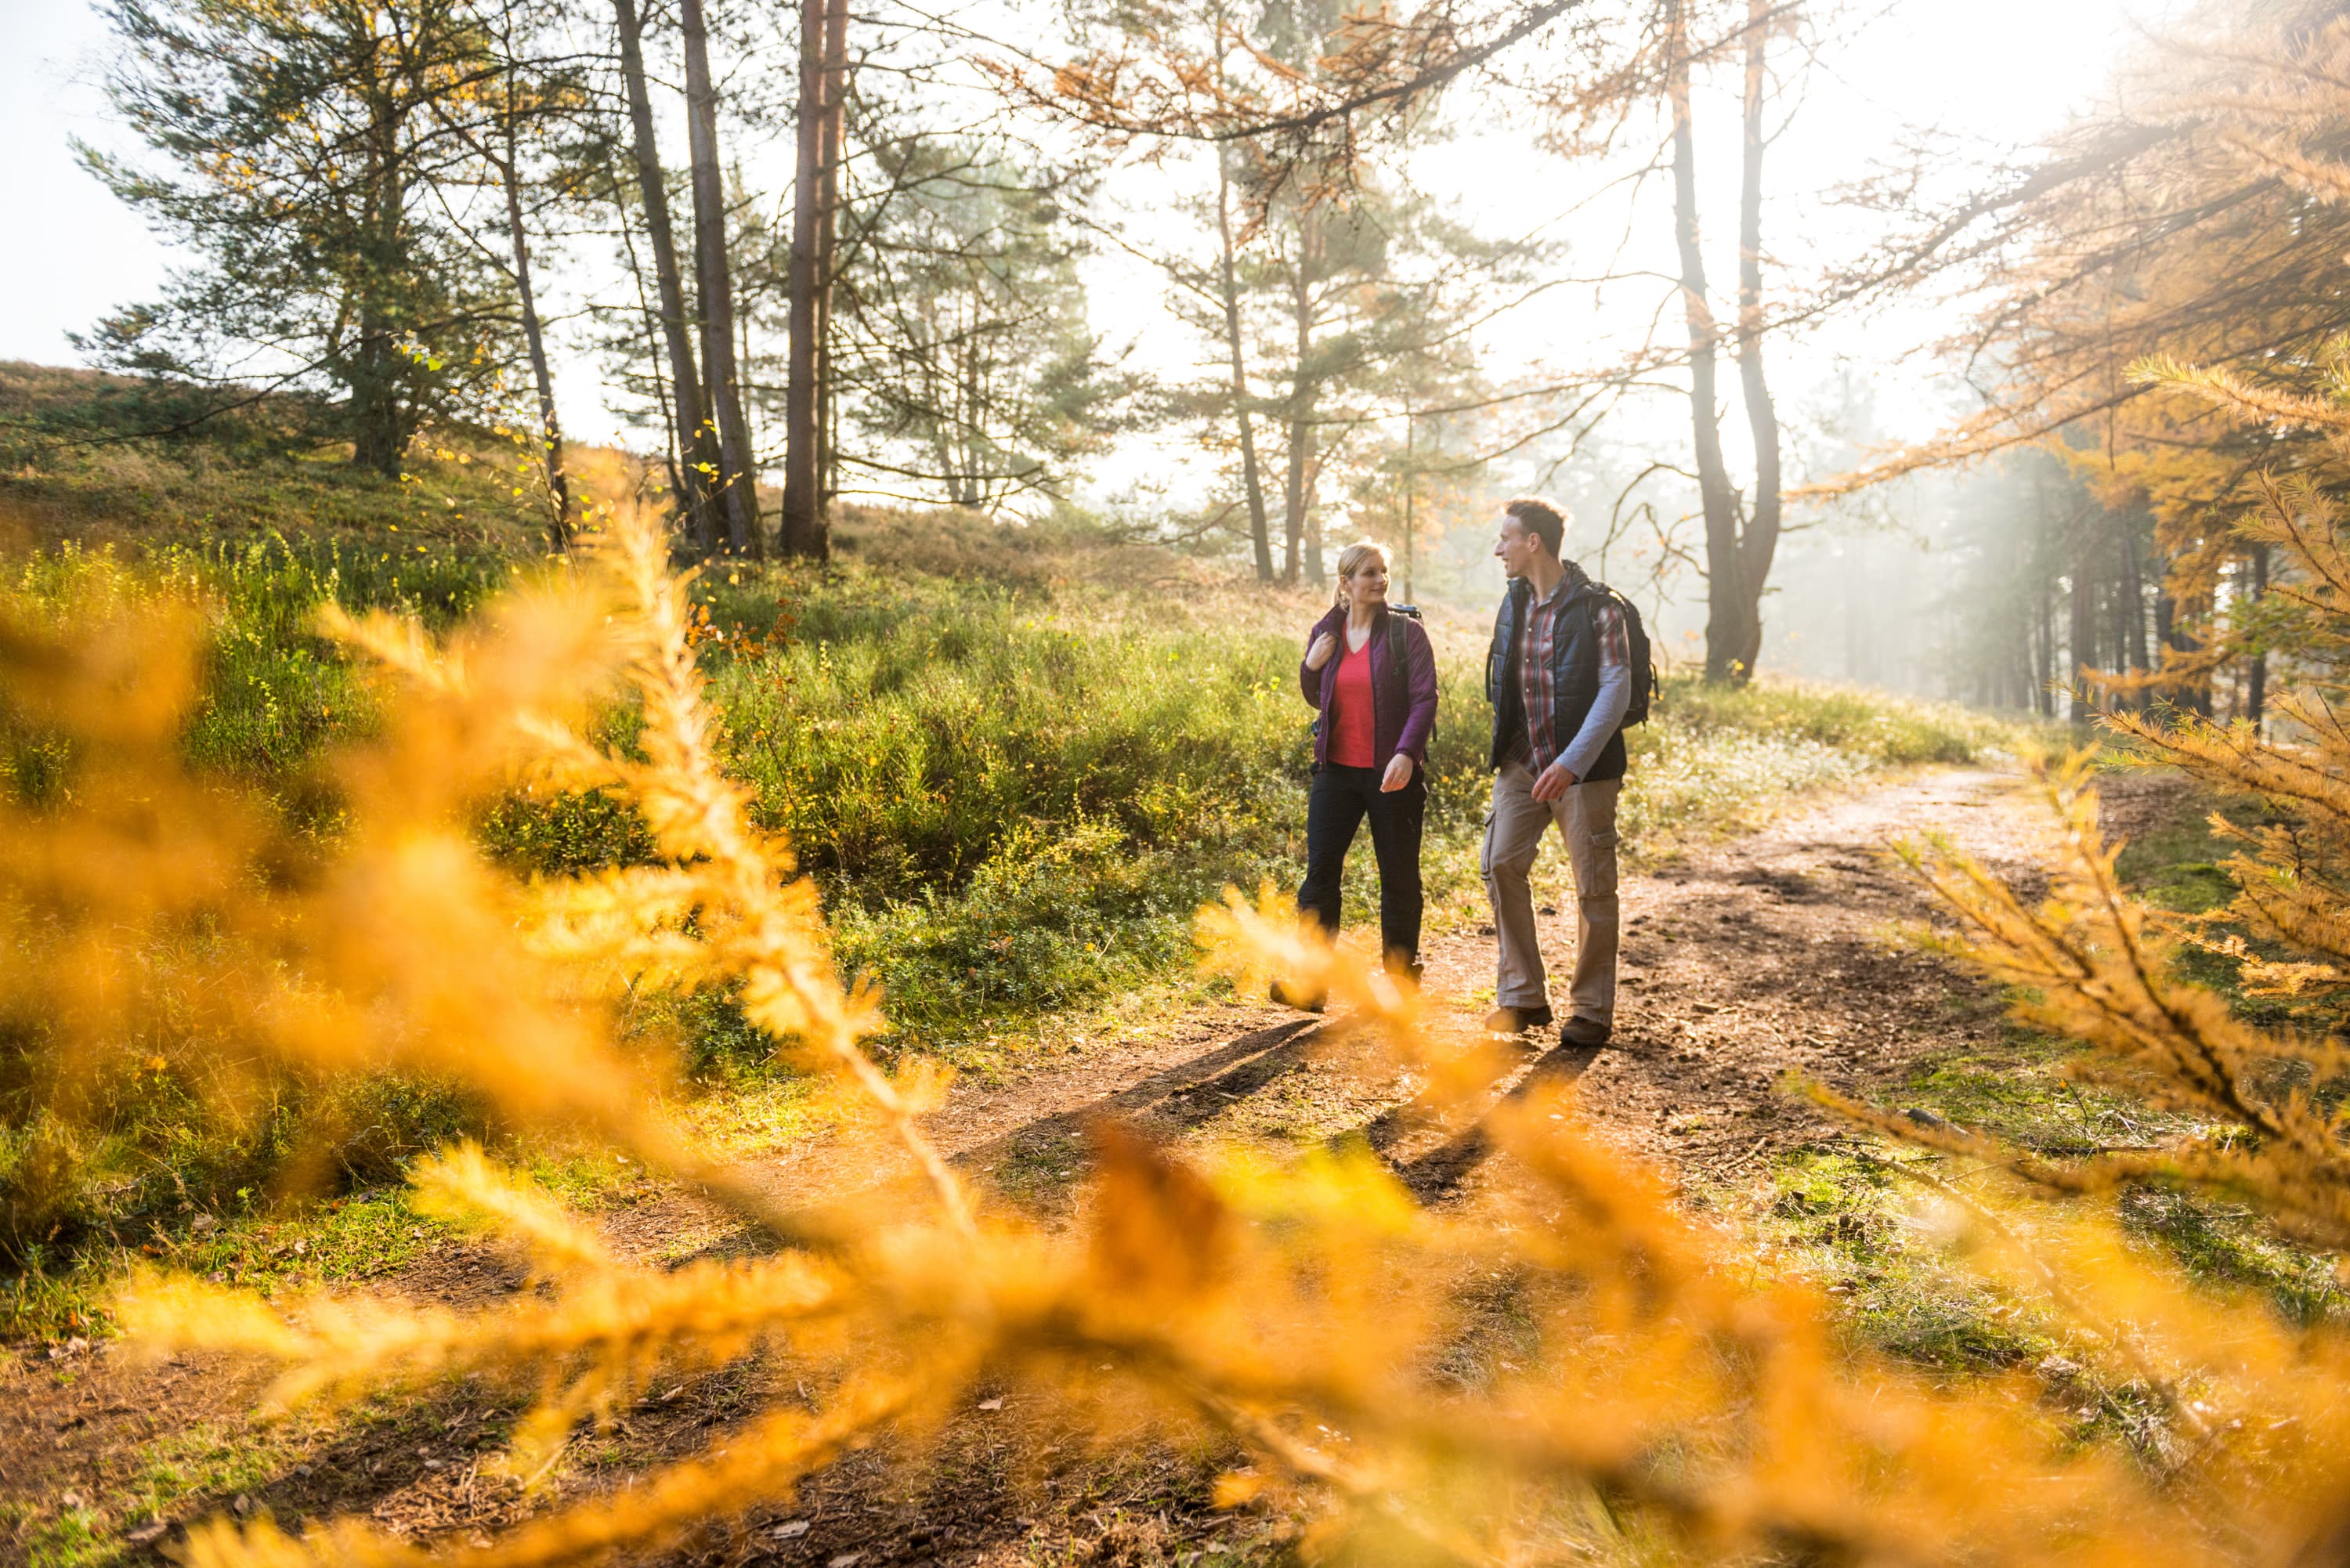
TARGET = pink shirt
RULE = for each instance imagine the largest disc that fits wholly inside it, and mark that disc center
(1353, 737)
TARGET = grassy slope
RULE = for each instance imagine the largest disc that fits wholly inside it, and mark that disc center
(75, 465)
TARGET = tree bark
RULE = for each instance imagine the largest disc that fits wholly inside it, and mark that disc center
(2134, 594)
(832, 150)
(2166, 629)
(1760, 543)
(699, 452)
(1298, 537)
(1251, 481)
(803, 532)
(2046, 588)
(2083, 648)
(1410, 494)
(1301, 446)
(378, 438)
(715, 281)
(550, 431)
(1726, 594)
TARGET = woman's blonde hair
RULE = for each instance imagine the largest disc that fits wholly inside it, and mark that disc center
(1350, 561)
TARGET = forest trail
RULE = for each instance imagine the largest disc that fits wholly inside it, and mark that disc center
(1773, 954)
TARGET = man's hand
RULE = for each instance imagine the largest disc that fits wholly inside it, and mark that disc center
(1319, 654)
(1398, 774)
(1554, 783)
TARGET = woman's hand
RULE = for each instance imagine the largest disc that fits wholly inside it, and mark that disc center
(1319, 654)
(1398, 774)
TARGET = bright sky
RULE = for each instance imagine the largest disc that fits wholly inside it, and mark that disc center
(1959, 65)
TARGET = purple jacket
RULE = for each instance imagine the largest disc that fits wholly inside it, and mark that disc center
(1407, 732)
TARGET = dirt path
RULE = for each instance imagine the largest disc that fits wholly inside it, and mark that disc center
(1771, 955)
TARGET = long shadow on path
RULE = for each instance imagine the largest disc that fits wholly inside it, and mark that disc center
(1192, 1093)
(1184, 1095)
(1435, 1174)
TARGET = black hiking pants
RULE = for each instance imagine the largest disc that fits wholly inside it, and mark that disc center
(1340, 801)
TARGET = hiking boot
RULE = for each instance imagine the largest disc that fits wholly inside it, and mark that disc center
(1588, 1033)
(1515, 1019)
(1288, 998)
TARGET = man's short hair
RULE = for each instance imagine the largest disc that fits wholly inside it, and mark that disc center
(1541, 519)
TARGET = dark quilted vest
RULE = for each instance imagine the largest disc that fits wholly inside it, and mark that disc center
(1575, 678)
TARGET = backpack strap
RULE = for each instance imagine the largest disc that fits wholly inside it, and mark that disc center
(1400, 687)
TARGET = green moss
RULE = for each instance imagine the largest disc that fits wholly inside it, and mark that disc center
(1845, 1217)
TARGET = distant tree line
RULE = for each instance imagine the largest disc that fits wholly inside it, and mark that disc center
(383, 197)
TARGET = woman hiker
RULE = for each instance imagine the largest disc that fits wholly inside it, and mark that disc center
(1370, 673)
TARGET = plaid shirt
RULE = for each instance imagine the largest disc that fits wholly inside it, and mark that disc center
(1534, 658)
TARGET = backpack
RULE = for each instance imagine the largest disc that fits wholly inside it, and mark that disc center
(1396, 666)
(1636, 655)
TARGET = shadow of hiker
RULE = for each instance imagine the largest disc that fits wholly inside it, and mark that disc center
(1186, 1094)
(1438, 1173)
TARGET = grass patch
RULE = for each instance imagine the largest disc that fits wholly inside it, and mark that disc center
(338, 1242)
(80, 458)
(1842, 1212)
(1843, 1217)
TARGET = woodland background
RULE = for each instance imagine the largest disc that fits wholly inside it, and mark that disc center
(509, 937)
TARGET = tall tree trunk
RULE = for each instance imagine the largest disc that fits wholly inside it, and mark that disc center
(1251, 481)
(550, 431)
(694, 442)
(378, 438)
(1761, 540)
(750, 429)
(1299, 434)
(803, 531)
(2194, 693)
(1410, 494)
(715, 282)
(1294, 501)
(833, 142)
(1298, 536)
(1726, 594)
(2044, 671)
(2044, 557)
(2133, 593)
(1316, 573)
(2084, 646)
(2166, 628)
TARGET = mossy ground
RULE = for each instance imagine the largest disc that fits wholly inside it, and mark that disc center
(1856, 1210)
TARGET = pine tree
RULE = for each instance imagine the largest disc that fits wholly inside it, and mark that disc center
(297, 146)
(961, 345)
(2090, 960)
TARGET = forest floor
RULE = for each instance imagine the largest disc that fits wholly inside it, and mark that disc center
(1769, 957)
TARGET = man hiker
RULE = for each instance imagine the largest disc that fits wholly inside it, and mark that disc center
(1560, 680)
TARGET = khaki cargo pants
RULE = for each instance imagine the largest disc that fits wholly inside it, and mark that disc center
(1585, 816)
